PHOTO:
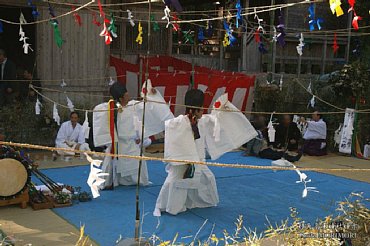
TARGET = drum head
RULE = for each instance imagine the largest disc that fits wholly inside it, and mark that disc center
(13, 177)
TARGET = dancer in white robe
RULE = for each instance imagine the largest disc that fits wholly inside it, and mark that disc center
(190, 186)
(127, 133)
(71, 136)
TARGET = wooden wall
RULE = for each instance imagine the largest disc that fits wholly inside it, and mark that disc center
(81, 61)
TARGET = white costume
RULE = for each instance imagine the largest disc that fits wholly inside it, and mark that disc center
(220, 132)
(124, 171)
(68, 137)
(315, 130)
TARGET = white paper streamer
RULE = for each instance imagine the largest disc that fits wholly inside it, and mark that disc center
(129, 17)
(302, 176)
(95, 177)
(70, 104)
(63, 84)
(38, 107)
(85, 126)
(312, 102)
(281, 83)
(345, 145)
(167, 16)
(22, 34)
(337, 135)
(300, 45)
(260, 27)
(56, 114)
(111, 81)
(271, 130)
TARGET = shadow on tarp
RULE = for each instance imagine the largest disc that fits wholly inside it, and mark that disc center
(254, 194)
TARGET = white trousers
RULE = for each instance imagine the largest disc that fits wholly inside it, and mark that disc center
(83, 147)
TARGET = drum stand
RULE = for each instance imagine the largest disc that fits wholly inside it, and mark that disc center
(21, 199)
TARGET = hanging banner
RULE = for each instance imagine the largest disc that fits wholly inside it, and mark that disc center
(345, 145)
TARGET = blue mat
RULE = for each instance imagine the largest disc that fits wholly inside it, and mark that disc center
(255, 194)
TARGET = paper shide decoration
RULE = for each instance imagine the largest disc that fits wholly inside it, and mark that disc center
(76, 16)
(38, 106)
(70, 104)
(156, 27)
(85, 126)
(139, 38)
(260, 21)
(56, 116)
(22, 35)
(238, 7)
(167, 16)
(356, 18)
(300, 45)
(55, 24)
(112, 26)
(335, 44)
(106, 33)
(35, 13)
(336, 8)
(95, 20)
(313, 21)
(229, 39)
(129, 17)
(63, 84)
(95, 176)
(200, 34)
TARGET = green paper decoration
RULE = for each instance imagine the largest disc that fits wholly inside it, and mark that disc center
(188, 37)
(112, 27)
(155, 24)
(57, 37)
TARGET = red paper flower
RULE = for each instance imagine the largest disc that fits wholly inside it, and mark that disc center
(217, 104)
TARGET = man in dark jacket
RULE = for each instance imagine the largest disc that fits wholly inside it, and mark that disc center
(287, 134)
(7, 74)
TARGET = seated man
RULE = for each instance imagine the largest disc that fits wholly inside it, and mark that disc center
(71, 136)
(259, 146)
(315, 136)
(287, 134)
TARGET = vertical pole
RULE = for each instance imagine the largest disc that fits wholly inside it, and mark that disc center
(244, 41)
(137, 217)
(349, 26)
(221, 13)
(273, 44)
(325, 46)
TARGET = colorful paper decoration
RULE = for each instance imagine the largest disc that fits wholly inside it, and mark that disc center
(1, 27)
(257, 36)
(226, 41)
(129, 17)
(188, 37)
(155, 23)
(281, 29)
(355, 20)
(95, 179)
(336, 8)
(352, 4)
(229, 34)
(95, 20)
(35, 13)
(335, 44)
(238, 7)
(261, 48)
(175, 26)
(112, 27)
(22, 35)
(57, 37)
(300, 45)
(200, 34)
(139, 38)
(77, 17)
(313, 21)
(101, 12)
(105, 33)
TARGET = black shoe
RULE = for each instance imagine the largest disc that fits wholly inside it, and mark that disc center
(293, 158)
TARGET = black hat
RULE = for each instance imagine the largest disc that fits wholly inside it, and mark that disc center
(117, 90)
(195, 98)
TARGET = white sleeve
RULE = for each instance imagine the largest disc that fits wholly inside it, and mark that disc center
(225, 131)
(81, 136)
(101, 131)
(61, 137)
(179, 140)
(156, 113)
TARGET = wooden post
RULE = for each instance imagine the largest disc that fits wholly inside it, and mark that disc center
(325, 46)
(244, 42)
(349, 26)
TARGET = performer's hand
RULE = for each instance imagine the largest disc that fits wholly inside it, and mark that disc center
(137, 141)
